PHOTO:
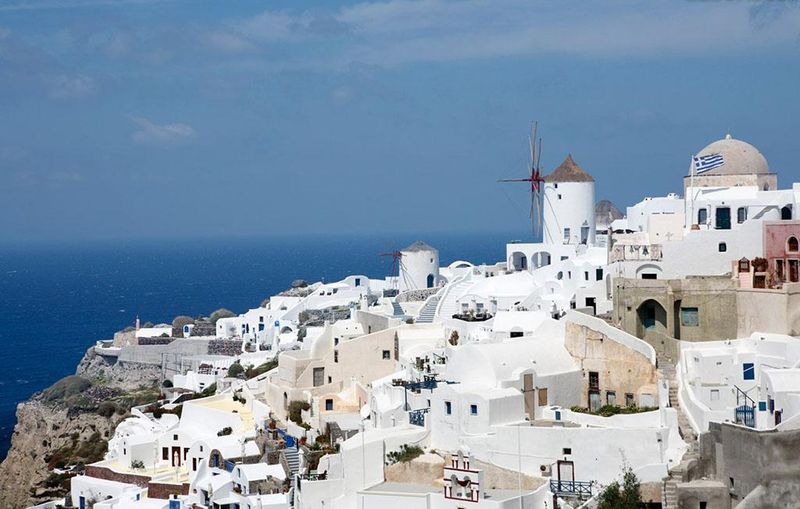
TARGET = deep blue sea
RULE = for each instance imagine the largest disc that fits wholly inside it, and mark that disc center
(57, 300)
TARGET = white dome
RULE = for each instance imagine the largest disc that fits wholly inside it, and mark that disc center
(740, 158)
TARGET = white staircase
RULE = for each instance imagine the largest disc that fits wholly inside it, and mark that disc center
(397, 310)
(428, 311)
(447, 303)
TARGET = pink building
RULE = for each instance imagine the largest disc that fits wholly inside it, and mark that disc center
(781, 250)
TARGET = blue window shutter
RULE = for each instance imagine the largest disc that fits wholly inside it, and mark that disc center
(762, 406)
(748, 371)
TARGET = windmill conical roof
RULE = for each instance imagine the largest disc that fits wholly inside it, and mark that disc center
(569, 171)
(418, 246)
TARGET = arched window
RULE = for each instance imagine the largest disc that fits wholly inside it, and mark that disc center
(791, 244)
(786, 213)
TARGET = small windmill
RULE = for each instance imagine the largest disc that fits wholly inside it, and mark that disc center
(397, 263)
(535, 178)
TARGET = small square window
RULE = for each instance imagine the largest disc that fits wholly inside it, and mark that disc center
(328, 405)
(567, 450)
(473, 409)
(723, 247)
(387, 354)
(174, 437)
(690, 317)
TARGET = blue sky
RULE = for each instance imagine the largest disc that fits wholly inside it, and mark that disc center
(149, 119)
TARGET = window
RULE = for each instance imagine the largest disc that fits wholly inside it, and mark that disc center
(714, 395)
(559, 196)
(779, 270)
(387, 354)
(723, 247)
(566, 450)
(690, 317)
(473, 409)
(598, 274)
(318, 376)
(748, 371)
(741, 215)
(649, 275)
(762, 406)
(791, 244)
(594, 379)
(566, 234)
(328, 405)
(335, 341)
(165, 453)
(611, 398)
(702, 216)
(586, 275)
(174, 437)
(336, 356)
(629, 399)
(448, 408)
(358, 281)
(786, 213)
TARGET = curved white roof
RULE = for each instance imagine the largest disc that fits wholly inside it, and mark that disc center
(488, 364)
(740, 158)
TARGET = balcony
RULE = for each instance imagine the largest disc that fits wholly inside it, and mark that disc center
(581, 489)
(635, 252)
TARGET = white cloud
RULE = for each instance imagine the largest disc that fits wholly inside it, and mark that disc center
(408, 31)
(66, 86)
(150, 133)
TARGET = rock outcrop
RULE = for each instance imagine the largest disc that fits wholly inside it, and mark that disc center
(68, 424)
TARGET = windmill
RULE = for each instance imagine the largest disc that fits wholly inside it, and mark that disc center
(397, 262)
(535, 178)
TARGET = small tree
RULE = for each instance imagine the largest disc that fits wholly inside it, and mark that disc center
(453, 338)
(625, 496)
(220, 313)
(235, 370)
(178, 323)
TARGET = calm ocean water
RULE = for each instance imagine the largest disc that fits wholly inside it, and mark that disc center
(56, 301)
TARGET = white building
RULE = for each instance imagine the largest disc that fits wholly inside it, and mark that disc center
(419, 267)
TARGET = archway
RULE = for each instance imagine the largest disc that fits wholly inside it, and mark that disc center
(519, 261)
(430, 280)
(651, 318)
(786, 213)
(540, 259)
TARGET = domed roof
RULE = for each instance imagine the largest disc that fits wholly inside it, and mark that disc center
(740, 158)
(569, 171)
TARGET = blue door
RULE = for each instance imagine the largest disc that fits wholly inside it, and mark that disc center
(82, 502)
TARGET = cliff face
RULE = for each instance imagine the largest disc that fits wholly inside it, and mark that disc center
(69, 423)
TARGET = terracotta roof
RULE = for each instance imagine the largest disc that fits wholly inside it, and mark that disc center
(569, 171)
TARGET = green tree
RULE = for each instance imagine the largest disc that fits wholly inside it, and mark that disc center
(624, 496)
(235, 370)
(220, 313)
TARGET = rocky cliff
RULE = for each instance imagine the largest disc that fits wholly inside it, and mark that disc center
(70, 423)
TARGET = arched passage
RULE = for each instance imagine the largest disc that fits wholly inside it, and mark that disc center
(519, 261)
(540, 259)
(651, 318)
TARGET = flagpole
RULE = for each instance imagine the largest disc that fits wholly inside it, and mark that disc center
(691, 187)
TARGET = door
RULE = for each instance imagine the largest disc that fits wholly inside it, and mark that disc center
(527, 392)
(82, 502)
(594, 401)
(723, 218)
(430, 281)
(176, 456)
(777, 417)
(591, 303)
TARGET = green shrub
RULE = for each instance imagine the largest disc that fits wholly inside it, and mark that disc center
(209, 391)
(624, 496)
(137, 465)
(224, 431)
(178, 323)
(66, 389)
(107, 409)
(220, 313)
(252, 372)
(609, 410)
(295, 409)
(404, 455)
(235, 370)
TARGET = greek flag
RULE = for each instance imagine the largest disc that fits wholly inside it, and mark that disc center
(703, 164)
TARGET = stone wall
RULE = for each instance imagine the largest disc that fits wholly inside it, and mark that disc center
(224, 347)
(155, 341)
(416, 295)
(759, 468)
(620, 369)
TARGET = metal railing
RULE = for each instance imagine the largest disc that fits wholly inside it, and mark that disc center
(571, 488)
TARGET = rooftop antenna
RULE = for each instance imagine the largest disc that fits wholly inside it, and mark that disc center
(535, 178)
